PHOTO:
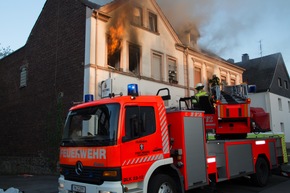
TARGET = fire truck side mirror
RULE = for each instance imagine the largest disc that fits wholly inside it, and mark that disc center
(164, 97)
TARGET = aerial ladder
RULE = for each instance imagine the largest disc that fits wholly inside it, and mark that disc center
(228, 113)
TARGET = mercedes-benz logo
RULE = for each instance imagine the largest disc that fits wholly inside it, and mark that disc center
(79, 168)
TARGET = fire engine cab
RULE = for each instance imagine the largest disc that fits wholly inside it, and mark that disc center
(134, 144)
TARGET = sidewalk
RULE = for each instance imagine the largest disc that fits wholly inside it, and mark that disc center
(30, 183)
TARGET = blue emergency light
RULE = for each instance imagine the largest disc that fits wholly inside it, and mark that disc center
(132, 89)
(89, 97)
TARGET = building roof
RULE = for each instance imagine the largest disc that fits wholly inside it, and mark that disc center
(264, 73)
(95, 4)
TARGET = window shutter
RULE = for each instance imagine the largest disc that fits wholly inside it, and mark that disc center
(156, 67)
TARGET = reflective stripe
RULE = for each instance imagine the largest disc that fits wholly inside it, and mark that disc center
(143, 159)
(163, 128)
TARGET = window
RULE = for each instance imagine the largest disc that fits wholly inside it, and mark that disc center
(134, 59)
(153, 22)
(172, 71)
(280, 104)
(209, 74)
(233, 82)
(197, 75)
(223, 79)
(282, 127)
(137, 16)
(139, 122)
(156, 68)
(279, 82)
(92, 125)
(286, 84)
(23, 76)
(114, 51)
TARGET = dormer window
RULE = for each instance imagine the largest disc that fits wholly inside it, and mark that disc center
(286, 84)
(280, 82)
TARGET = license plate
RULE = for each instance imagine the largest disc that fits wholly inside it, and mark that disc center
(78, 189)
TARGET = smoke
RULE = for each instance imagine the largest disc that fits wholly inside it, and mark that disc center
(213, 25)
(187, 17)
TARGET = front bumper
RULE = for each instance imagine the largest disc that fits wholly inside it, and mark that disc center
(65, 186)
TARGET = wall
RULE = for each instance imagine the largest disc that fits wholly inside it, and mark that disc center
(269, 102)
(164, 42)
(32, 117)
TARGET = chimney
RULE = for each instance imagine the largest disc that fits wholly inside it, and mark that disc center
(245, 57)
(231, 60)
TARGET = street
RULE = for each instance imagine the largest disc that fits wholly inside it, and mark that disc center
(277, 184)
(48, 184)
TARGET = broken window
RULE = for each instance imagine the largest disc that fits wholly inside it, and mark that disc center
(137, 16)
(114, 52)
(152, 22)
(172, 71)
(134, 59)
(156, 68)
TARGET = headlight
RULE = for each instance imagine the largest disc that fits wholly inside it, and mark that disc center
(60, 185)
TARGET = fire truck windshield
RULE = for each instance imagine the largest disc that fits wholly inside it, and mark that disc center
(92, 126)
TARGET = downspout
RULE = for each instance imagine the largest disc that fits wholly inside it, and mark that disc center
(187, 72)
(96, 57)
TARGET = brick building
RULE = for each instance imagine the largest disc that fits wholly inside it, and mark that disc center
(38, 83)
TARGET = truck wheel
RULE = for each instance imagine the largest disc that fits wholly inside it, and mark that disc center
(260, 178)
(162, 183)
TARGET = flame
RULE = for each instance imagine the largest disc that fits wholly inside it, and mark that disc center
(116, 34)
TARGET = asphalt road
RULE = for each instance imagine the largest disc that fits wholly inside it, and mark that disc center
(276, 184)
(48, 184)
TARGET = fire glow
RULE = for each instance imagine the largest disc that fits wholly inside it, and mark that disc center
(115, 37)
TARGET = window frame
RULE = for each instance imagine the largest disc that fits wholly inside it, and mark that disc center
(280, 82)
(117, 53)
(135, 18)
(23, 76)
(197, 71)
(138, 65)
(282, 127)
(141, 124)
(286, 84)
(152, 26)
(280, 104)
(175, 73)
(154, 53)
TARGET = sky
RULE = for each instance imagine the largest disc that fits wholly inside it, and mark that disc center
(229, 28)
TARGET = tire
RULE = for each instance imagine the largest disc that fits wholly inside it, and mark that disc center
(261, 177)
(162, 183)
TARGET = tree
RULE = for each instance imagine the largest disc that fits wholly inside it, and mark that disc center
(5, 51)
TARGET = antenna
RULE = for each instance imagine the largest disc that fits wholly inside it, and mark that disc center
(261, 50)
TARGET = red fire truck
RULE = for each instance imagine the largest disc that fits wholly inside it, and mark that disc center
(134, 144)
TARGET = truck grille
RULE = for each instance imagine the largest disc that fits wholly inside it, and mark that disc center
(89, 175)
